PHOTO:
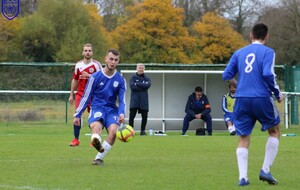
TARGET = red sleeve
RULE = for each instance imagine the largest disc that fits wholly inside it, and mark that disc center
(76, 74)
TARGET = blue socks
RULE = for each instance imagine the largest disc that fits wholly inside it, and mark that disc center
(76, 131)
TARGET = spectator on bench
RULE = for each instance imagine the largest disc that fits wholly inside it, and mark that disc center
(197, 107)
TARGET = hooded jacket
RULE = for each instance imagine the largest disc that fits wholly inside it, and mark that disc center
(191, 109)
(139, 85)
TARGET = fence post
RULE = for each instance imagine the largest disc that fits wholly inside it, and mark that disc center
(294, 99)
(67, 72)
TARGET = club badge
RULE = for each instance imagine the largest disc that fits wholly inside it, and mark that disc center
(10, 8)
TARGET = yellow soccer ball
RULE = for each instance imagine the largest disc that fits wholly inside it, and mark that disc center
(125, 133)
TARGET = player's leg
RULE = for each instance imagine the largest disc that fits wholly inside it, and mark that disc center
(269, 118)
(271, 148)
(270, 155)
(244, 123)
(132, 114)
(96, 122)
(76, 129)
(112, 126)
(186, 123)
(242, 159)
(229, 124)
(144, 114)
(208, 120)
(96, 128)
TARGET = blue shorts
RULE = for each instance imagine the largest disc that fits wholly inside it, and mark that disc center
(106, 115)
(228, 117)
(249, 110)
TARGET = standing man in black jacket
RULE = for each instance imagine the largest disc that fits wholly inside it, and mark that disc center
(197, 107)
(139, 85)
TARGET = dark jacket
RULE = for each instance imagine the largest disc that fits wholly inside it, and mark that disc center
(191, 109)
(139, 85)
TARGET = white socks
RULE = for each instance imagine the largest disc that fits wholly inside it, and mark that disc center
(106, 147)
(231, 128)
(242, 158)
(97, 136)
(270, 154)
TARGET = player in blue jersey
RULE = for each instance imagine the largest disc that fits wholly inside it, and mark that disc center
(254, 65)
(227, 107)
(104, 88)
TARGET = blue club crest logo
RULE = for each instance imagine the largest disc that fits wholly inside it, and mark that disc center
(10, 8)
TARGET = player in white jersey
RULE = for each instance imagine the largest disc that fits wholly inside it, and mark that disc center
(83, 70)
(103, 89)
(254, 65)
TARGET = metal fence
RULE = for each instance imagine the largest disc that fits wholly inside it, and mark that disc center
(38, 92)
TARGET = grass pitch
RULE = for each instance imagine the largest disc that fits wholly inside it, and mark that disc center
(38, 157)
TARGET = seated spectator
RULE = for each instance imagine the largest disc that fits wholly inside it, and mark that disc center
(227, 106)
(197, 107)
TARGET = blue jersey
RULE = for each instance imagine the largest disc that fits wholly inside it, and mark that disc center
(104, 91)
(254, 65)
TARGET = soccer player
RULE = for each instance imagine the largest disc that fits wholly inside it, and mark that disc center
(139, 102)
(83, 70)
(254, 65)
(227, 106)
(103, 89)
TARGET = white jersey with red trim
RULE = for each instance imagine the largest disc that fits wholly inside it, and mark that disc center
(90, 68)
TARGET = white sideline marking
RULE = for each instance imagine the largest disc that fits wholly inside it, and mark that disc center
(89, 134)
(19, 187)
(31, 160)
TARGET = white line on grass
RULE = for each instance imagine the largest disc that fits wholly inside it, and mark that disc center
(18, 187)
(31, 160)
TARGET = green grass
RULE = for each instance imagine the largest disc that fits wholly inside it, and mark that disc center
(38, 157)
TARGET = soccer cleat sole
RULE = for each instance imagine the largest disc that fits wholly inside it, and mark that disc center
(243, 182)
(233, 133)
(270, 181)
(98, 162)
(97, 145)
(73, 144)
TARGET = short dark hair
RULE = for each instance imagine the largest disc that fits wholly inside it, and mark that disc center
(259, 31)
(113, 51)
(231, 85)
(198, 89)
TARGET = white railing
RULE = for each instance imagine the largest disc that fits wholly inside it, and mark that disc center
(286, 109)
(163, 119)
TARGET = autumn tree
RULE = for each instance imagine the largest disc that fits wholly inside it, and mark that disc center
(93, 32)
(217, 40)
(153, 32)
(8, 33)
(58, 29)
